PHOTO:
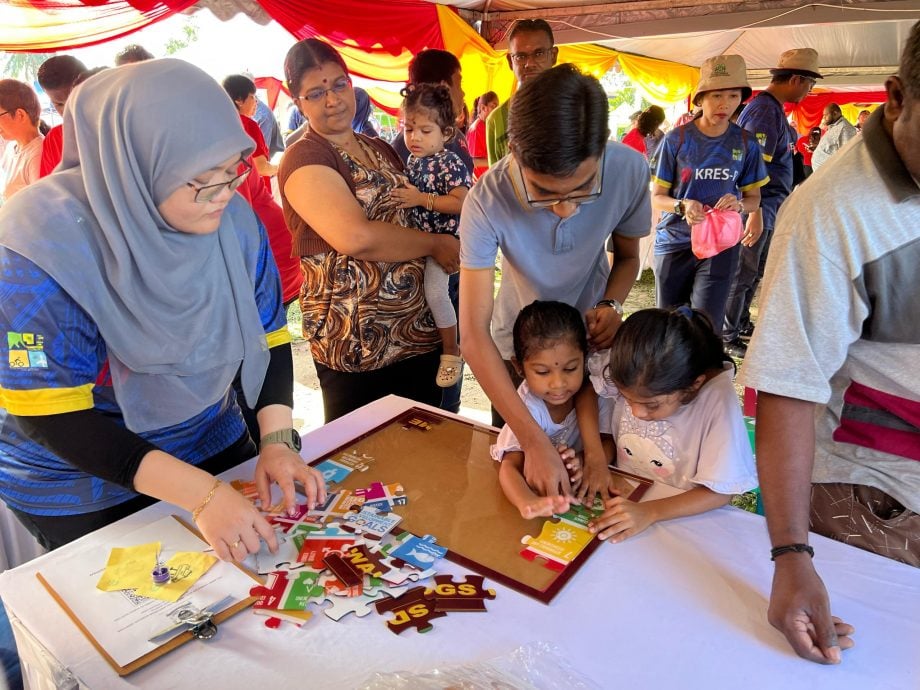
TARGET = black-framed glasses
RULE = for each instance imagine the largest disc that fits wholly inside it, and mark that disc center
(207, 193)
(576, 199)
(339, 86)
(538, 55)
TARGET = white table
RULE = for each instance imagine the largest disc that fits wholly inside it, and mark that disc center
(682, 605)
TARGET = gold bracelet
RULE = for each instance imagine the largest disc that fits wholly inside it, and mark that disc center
(207, 499)
(431, 196)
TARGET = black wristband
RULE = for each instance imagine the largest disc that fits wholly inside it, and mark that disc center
(791, 548)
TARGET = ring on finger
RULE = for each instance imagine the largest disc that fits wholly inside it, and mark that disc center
(236, 543)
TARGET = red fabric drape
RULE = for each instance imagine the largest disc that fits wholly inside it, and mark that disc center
(272, 88)
(50, 25)
(808, 113)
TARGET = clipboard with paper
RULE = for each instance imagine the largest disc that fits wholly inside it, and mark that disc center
(129, 630)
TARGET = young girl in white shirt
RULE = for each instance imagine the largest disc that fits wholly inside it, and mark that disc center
(675, 418)
(550, 347)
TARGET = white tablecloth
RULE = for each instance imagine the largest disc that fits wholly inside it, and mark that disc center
(682, 605)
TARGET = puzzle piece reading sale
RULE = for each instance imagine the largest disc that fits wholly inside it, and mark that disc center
(559, 543)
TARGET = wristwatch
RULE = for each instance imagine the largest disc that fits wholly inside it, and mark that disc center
(612, 303)
(679, 208)
(288, 437)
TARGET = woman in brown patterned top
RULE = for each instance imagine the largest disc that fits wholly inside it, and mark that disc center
(363, 302)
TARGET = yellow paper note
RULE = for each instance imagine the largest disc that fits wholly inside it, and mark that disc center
(185, 569)
(129, 568)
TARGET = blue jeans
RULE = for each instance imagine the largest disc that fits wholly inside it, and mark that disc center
(450, 397)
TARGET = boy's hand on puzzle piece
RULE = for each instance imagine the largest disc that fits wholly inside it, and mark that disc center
(800, 609)
(596, 479)
(602, 324)
(545, 471)
(622, 519)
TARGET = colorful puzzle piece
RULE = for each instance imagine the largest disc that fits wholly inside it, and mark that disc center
(421, 553)
(468, 595)
(558, 543)
(371, 521)
(332, 471)
(353, 460)
(284, 591)
(248, 489)
(343, 570)
(317, 544)
(383, 497)
(411, 610)
(337, 505)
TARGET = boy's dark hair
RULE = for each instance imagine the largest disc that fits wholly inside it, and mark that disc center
(59, 71)
(782, 78)
(532, 26)
(432, 67)
(662, 351)
(435, 100)
(909, 70)
(306, 55)
(131, 54)
(650, 119)
(540, 324)
(558, 120)
(238, 87)
(16, 95)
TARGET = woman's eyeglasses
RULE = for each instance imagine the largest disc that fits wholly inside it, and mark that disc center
(207, 193)
(315, 95)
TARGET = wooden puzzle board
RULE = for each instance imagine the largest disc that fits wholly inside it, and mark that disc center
(453, 492)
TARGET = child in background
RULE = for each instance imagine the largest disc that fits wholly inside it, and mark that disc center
(675, 418)
(440, 181)
(550, 347)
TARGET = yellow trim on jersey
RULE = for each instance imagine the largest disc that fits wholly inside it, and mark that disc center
(659, 181)
(767, 157)
(280, 337)
(755, 185)
(40, 401)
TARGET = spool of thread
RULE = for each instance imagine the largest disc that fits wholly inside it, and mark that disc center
(160, 575)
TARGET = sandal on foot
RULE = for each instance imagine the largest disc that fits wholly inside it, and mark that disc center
(449, 370)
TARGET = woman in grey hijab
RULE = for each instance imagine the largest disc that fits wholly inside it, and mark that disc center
(136, 284)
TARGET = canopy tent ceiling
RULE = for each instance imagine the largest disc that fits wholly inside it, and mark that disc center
(859, 41)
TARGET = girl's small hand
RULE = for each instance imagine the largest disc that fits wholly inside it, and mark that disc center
(408, 196)
(233, 526)
(282, 465)
(622, 519)
(693, 211)
(729, 202)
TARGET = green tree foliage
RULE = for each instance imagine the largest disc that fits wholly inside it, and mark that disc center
(21, 66)
(189, 36)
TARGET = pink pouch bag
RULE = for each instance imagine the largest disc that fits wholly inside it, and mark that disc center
(719, 231)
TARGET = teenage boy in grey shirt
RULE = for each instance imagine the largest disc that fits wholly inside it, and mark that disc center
(549, 207)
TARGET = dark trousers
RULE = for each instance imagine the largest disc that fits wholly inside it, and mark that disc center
(450, 397)
(53, 531)
(750, 271)
(516, 380)
(704, 284)
(414, 378)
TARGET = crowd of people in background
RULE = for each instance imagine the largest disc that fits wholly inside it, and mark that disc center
(140, 229)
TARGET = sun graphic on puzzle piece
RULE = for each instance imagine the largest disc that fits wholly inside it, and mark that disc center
(564, 535)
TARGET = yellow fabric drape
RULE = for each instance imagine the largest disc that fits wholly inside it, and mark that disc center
(484, 69)
(663, 82)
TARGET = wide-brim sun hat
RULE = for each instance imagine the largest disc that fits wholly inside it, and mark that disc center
(723, 72)
(802, 61)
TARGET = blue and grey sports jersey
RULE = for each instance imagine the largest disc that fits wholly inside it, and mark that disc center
(695, 166)
(55, 361)
(765, 118)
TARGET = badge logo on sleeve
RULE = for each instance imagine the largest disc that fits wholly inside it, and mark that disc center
(27, 350)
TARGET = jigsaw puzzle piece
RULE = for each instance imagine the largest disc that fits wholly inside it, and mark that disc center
(383, 497)
(421, 553)
(411, 610)
(371, 521)
(317, 544)
(332, 471)
(465, 595)
(558, 544)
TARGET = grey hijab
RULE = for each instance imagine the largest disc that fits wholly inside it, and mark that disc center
(177, 311)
